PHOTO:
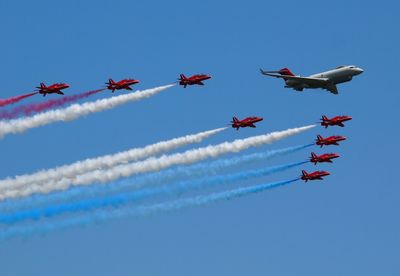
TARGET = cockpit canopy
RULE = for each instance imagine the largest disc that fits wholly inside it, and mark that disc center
(349, 66)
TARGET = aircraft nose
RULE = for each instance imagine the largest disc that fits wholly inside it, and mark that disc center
(359, 70)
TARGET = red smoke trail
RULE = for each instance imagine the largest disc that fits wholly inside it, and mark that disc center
(39, 107)
(15, 99)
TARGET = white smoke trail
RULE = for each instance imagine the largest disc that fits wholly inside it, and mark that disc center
(103, 162)
(74, 111)
(154, 164)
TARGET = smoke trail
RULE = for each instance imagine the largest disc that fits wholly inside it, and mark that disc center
(145, 210)
(129, 197)
(153, 164)
(189, 202)
(16, 99)
(165, 176)
(40, 107)
(215, 166)
(74, 111)
(103, 162)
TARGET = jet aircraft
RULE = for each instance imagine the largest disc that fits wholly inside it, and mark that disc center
(122, 84)
(331, 140)
(317, 175)
(325, 80)
(52, 89)
(324, 158)
(195, 79)
(335, 121)
(247, 122)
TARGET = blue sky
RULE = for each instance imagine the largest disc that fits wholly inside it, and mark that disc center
(345, 225)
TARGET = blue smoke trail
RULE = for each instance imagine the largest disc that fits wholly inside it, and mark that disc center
(124, 198)
(196, 170)
(104, 215)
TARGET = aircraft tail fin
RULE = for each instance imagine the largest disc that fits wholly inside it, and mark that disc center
(319, 137)
(313, 155)
(235, 120)
(111, 81)
(42, 85)
(183, 77)
(286, 71)
(324, 121)
(304, 173)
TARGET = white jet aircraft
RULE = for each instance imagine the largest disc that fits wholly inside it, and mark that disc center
(325, 80)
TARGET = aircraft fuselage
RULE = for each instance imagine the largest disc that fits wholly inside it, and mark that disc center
(335, 76)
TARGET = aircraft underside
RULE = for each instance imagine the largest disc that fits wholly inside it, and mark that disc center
(330, 87)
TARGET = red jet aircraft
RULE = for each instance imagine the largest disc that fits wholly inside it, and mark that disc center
(317, 175)
(195, 79)
(122, 84)
(323, 158)
(52, 89)
(248, 122)
(332, 140)
(335, 121)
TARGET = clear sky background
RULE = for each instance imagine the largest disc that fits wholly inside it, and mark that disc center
(345, 225)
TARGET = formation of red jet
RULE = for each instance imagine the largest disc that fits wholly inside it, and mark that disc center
(331, 140)
(321, 141)
(52, 89)
(324, 158)
(247, 122)
(335, 121)
(122, 84)
(317, 175)
(195, 79)
(111, 85)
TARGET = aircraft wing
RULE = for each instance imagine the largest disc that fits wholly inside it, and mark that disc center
(311, 81)
(332, 88)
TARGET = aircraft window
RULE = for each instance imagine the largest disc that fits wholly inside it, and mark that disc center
(341, 66)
